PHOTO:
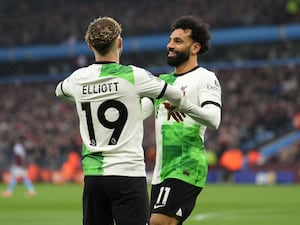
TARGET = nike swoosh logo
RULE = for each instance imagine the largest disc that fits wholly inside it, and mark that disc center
(158, 206)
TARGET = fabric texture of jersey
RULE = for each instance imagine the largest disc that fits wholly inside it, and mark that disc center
(180, 151)
(107, 98)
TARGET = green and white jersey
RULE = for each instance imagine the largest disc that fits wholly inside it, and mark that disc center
(107, 97)
(180, 151)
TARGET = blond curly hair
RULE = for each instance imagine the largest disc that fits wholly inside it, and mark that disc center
(101, 34)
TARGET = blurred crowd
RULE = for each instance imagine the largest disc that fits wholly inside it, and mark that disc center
(30, 22)
(48, 126)
(258, 106)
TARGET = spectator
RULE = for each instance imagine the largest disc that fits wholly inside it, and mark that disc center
(19, 170)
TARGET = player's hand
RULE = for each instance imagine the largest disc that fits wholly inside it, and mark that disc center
(177, 116)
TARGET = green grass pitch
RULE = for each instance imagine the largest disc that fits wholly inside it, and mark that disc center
(218, 204)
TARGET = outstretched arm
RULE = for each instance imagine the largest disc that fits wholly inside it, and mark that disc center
(147, 107)
(208, 115)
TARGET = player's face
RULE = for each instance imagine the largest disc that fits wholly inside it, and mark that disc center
(179, 47)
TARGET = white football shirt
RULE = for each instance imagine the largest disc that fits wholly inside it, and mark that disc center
(180, 151)
(108, 101)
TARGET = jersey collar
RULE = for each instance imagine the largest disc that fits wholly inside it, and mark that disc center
(103, 62)
(181, 74)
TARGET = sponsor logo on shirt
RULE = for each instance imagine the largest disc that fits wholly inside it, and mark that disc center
(214, 87)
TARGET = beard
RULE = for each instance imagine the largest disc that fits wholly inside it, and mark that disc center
(179, 58)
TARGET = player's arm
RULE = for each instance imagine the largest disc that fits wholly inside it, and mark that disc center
(208, 115)
(61, 92)
(208, 110)
(154, 87)
(173, 94)
(147, 107)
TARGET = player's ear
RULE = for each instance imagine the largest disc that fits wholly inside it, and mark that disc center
(196, 47)
(120, 42)
(90, 46)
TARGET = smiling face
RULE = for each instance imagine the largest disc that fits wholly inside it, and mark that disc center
(181, 47)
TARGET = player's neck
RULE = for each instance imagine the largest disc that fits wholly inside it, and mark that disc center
(110, 57)
(185, 67)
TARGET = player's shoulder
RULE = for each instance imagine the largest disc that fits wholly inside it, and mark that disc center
(81, 74)
(138, 69)
(206, 74)
(206, 71)
(80, 71)
(209, 79)
(141, 72)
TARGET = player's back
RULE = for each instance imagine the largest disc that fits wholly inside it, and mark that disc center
(108, 104)
(108, 100)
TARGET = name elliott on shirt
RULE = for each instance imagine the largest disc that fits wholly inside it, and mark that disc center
(100, 88)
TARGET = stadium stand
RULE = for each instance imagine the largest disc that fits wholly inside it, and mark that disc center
(54, 21)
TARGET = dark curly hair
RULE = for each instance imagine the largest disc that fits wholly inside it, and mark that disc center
(200, 30)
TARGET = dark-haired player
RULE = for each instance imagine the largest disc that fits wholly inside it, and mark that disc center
(181, 165)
